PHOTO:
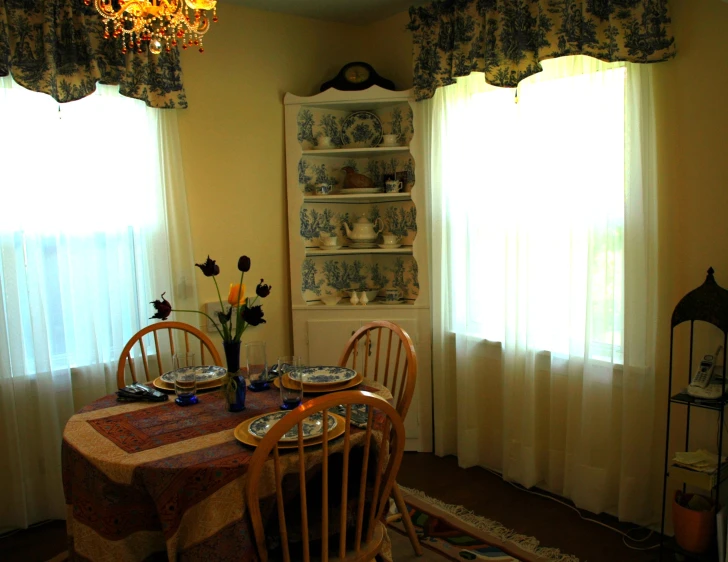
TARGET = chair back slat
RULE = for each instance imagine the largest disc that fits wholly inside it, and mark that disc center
(145, 361)
(388, 456)
(304, 504)
(345, 486)
(400, 381)
(363, 481)
(279, 505)
(132, 368)
(173, 329)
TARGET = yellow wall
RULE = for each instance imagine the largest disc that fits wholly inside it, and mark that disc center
(692, 124)
(233, 147)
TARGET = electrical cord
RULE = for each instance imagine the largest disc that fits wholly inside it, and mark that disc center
(625, 535)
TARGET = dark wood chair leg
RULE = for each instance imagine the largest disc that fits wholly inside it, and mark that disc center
(406, 521)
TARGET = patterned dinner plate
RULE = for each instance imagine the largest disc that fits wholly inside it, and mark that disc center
(317, 388)
(359, 414)
(203, 373)
(323, 375)
(361, 129)
(312, 426)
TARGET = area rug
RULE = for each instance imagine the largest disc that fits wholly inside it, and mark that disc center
(454, 533)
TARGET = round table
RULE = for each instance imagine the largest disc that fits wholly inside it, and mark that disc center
(147, 481)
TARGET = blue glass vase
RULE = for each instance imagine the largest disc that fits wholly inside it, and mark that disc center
(236, 402)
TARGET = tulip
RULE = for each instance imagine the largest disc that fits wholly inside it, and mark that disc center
(236, 296)
(244, 264)
(163, 308)
(209, 268)
(253, 315)
(262, 290)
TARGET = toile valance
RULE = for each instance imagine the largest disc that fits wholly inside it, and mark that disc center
(57, 47)
(506, 39)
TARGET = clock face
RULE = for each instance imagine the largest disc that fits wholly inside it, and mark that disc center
(356, 74)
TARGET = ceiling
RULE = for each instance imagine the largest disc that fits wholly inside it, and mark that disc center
(357, 12)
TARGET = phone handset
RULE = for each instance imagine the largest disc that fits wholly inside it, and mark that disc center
(702, 377)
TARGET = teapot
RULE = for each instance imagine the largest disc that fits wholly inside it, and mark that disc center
(363, 230)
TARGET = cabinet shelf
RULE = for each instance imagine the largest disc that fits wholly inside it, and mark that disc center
(357, 197)
(312, 252)
(353, 152)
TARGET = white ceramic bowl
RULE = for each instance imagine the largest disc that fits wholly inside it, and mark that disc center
(330, 300)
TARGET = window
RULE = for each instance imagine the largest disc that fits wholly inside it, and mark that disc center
(82, 229)
(533, 186)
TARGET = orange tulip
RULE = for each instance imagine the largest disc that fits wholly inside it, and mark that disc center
(236, 297)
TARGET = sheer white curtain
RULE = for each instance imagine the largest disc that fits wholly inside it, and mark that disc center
(90, 206)
(542, 209)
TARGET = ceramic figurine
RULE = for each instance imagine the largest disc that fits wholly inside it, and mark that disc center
(354, 299)
(363, 299)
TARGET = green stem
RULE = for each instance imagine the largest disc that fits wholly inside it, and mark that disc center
(225, 329)
(204, 314)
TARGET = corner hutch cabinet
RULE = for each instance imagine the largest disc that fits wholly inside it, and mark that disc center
(321, 331)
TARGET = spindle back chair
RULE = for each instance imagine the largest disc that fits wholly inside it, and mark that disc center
(368, 497)
(382, 351)
(177, 333)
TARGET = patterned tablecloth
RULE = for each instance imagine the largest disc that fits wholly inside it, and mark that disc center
(153, 481)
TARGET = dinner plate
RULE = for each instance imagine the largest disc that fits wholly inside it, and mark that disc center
(203, 373)
(318, 388)
(161, 385)
(312, 426)
(361, 129)
(323, 375)
(242, 434)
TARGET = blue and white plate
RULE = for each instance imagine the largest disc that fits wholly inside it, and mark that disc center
(359, 414)
(312, 426)
(203, 373)
(323, 375)
(361, 129)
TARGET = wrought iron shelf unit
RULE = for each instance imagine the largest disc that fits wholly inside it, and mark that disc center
(707, 303)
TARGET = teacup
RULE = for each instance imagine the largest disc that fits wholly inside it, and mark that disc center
(323, 188)
(326, 142)
(389, 140)
(329, 240)
(393, 186)
(392, 295)
(391, 239)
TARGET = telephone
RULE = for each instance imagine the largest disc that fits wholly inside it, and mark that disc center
(700, 386)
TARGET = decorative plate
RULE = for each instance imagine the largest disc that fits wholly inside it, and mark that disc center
(361, 129)
(203, 373)
(312, 426)
(317, 388)
(323, 375)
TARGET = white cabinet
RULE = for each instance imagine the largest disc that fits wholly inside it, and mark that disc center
(320, 332)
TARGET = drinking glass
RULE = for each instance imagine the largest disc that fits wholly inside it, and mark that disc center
(257, 366)
(185, 380)
(290, 397)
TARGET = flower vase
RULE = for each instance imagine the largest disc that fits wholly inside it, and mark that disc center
(235, 397)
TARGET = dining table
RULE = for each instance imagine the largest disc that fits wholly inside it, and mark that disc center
(156, 481)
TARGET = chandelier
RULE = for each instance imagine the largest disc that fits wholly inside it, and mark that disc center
(160, 23)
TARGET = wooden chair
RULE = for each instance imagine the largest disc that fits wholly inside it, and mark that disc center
(176, 332)
(382, 351)
(369, 492)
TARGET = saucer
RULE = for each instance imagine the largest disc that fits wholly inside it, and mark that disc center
(386, 145)
(389, 246)
(362, 245)
(338, 247)
(385, 301)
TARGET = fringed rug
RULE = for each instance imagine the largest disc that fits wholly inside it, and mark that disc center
(455, 533)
